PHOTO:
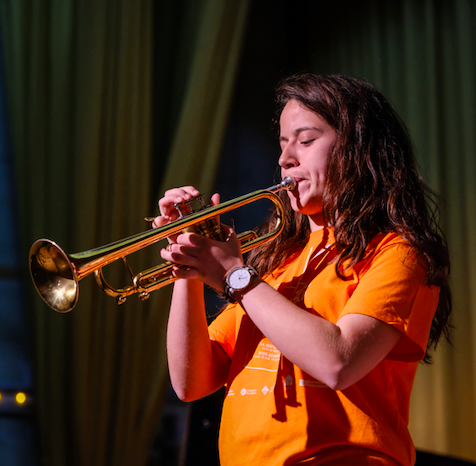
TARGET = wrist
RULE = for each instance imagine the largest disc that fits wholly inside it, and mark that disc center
(240, 294)
(189, 284)
(238, 280)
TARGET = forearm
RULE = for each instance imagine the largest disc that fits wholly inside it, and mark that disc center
(298, 334)
(336, 354)
(197, 369)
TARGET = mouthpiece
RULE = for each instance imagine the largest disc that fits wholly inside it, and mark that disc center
(288, 183)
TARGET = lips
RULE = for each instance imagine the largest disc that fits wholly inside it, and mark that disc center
(299, 182)
(297, 179)
(299, 186)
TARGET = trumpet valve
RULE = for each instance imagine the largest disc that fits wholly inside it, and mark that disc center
(189, 205)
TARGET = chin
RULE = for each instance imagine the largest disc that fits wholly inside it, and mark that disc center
(311, 208)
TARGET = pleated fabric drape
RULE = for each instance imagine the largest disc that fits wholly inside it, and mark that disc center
(80, 96)
(196, 147)
(422, 56)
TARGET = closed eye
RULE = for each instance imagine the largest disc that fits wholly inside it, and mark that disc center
(306, 143)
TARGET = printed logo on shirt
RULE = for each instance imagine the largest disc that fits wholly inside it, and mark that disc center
(265, 358)
(267, 351)
(245, 392)
(265, 390)
(311, 383)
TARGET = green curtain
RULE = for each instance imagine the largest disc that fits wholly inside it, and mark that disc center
(196, 147)
(80, 95)
(422, 56)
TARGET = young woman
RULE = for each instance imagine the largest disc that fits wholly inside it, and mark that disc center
(320, 346)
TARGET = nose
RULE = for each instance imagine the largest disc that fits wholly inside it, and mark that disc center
(287, 159)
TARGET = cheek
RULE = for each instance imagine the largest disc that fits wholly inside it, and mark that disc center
(321, 166)
(321, 170)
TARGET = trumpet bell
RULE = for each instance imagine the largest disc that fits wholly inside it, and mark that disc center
(53, 275)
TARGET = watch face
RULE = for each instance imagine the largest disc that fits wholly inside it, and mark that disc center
(239, 279)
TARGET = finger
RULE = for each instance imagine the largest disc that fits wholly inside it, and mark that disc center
(160, 221)
(188, 273)
(228, 231)
(231, 238)
(184, 191)
(180, 254)
(176, 196)
(215, 200)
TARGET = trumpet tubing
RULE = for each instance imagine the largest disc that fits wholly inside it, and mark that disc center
(56, 274)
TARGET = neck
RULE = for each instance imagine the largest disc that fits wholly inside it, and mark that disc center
(316, 222)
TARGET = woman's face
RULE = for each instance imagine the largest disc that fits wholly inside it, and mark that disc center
(306, 141)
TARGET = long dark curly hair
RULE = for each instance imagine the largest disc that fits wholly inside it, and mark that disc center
(372, 186)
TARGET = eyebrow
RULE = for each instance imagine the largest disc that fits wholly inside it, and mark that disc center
(300, 130)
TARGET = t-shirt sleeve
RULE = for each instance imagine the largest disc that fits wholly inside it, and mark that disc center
(223, 329)
(392, 289)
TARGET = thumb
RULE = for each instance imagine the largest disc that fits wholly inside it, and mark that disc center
(228, 231)
(160, 221)
(215, 200)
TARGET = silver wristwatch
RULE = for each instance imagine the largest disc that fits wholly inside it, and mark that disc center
(237, 279)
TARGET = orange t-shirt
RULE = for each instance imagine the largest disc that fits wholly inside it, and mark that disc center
(276, 414)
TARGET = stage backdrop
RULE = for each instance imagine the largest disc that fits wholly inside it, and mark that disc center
(84, 105)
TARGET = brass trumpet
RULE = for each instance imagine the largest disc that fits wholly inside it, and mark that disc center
(56, 274)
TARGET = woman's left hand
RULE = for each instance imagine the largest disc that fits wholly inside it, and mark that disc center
(206, 260)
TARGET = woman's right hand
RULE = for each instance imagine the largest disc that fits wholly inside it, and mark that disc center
(168, 213)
